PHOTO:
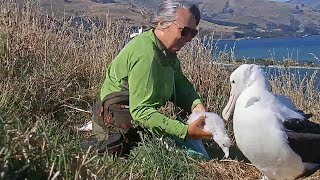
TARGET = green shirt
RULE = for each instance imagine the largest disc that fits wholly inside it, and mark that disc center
(150, 72)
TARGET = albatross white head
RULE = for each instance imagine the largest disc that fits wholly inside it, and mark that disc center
(243, 77)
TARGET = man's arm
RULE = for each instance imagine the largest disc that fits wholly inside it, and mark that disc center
(186, 96)
(143, 101)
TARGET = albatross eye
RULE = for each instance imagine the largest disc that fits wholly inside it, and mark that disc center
(232, 81)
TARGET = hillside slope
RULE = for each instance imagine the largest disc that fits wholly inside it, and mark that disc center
(227, 18)
(311, 3)
(256, 16)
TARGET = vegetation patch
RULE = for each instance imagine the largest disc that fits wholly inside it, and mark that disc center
(50, 74)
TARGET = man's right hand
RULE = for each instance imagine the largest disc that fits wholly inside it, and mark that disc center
(196, 131)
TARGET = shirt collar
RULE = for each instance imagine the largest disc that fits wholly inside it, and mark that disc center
(162, 48)
(168, 58)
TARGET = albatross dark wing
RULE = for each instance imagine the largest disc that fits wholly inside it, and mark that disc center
(304, 139)
(302, 126)
(306, 116)
(306, 145)
(309, 170)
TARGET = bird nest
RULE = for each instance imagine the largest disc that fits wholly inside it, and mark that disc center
(232, 169)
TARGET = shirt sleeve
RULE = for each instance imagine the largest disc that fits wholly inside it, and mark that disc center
(186, 96)
(143, 103)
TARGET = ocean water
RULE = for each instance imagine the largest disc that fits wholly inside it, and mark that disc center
(306, 49)
(299, 49)
(301, 75)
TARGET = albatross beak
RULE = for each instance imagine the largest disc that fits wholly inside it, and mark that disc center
(227, 111)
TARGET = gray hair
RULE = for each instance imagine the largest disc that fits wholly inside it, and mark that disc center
(167, 11)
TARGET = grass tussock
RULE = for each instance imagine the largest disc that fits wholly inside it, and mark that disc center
(51, 70)
(301, 90)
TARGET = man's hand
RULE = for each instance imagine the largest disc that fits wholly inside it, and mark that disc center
(199, 108)
(195, 130)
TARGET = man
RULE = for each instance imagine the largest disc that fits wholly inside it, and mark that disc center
(147, 72)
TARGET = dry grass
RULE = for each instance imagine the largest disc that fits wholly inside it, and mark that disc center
(51, 70)
(231, 169)
(301, 90)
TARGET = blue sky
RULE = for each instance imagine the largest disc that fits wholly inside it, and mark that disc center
(280, 0)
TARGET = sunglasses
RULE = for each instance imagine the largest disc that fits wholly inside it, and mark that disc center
(185, 31)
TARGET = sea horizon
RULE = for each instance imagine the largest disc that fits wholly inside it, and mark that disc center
(299, 49)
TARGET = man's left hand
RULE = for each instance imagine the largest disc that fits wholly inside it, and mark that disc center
(199, 108)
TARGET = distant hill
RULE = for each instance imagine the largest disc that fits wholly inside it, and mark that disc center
(257, 17)
(311, 3)
(226, 18)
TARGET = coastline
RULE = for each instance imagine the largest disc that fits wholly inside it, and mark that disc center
(270, 66)
(265, 38)
(271, 51)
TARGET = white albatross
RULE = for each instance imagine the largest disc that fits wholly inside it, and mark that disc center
(266, 127)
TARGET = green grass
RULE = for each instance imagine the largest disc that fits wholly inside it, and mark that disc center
(45, 149)
(51, 76)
